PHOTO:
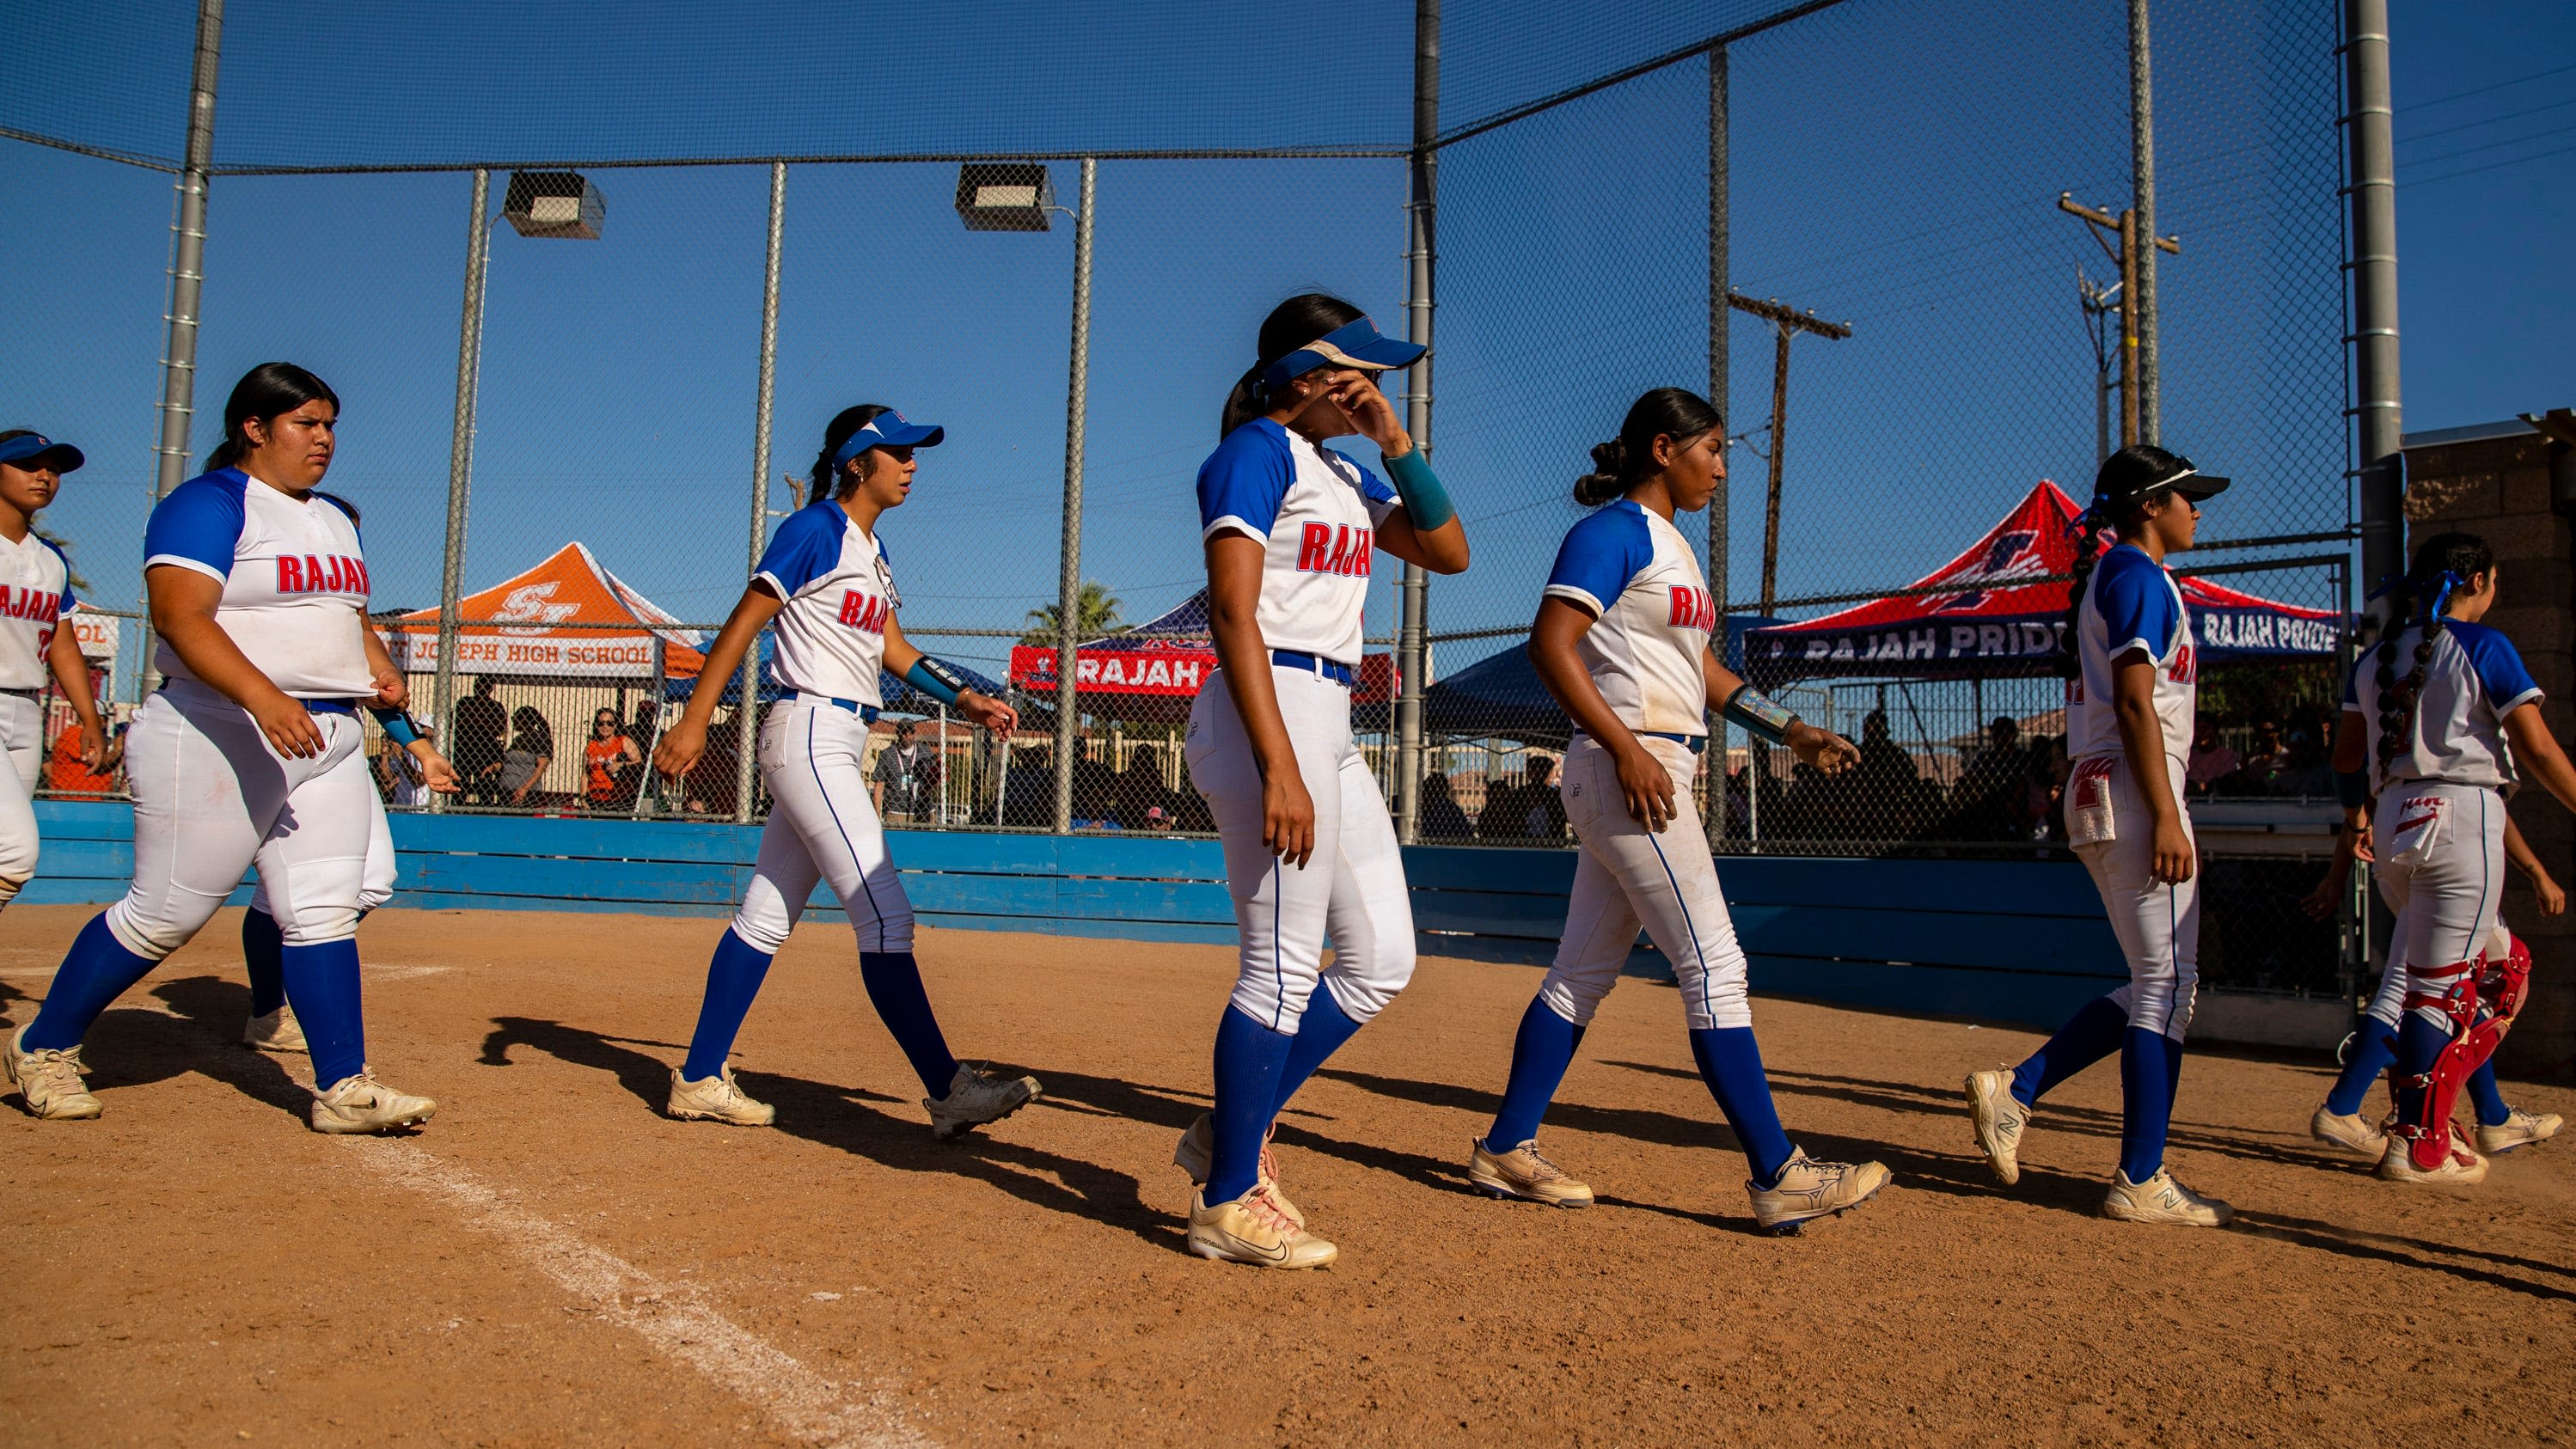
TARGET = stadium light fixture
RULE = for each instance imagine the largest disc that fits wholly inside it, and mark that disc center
(554, 203)
(1005, 195)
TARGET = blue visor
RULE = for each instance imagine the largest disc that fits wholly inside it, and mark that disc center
(1358, 344)
(32, 451)
(889, 430)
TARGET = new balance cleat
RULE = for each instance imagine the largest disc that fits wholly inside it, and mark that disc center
(975, 1097)
(278, 1031)
(360, 1103)
(1196, 1155)
(716, 1099)
(2160, 1199)
(2518, 1129)
(1251, 1229)
(2354, 1133)
(1807, 1190)
(1524, 1174)
(48, 1081)
(2459, 1167)
(1998, 1118)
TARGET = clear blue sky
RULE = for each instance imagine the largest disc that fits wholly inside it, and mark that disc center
(1895, 165)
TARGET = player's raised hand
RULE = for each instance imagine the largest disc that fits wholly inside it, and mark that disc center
(1646, 785)
(288, 725)
(1827, 751)
(1287, 817)
(983, 709)
(681, 745)
(1358, 396)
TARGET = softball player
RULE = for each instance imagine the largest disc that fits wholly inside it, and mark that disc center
(2502, 1127)
(2131, 699)
(35, 592)
(272, 1026)
(826, 581)
(2441, 740)
(1290, 527)
(1622, 642)
(249, 755)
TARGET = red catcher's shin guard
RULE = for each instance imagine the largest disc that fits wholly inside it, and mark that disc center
(2475, 1034)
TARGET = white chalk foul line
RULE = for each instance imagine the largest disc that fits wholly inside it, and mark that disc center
(806, 1404)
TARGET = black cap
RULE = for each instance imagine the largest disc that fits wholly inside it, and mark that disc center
(2142, 470)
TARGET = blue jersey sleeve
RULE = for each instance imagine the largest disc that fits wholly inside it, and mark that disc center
(2137, 604)
(2499, 667)
(1599, 556)
(69, 601)
(199, 526)
(806, 547)
(1244, 481)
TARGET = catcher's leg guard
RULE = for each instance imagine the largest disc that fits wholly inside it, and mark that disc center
(2482, 999)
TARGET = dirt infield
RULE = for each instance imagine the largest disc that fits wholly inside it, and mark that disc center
(552, 1262)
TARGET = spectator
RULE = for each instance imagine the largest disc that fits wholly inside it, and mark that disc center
(399, 775)
(69, 776)
(2044, 785)
(1886, 784)
(1440, 818)
(481, 723)
(1988, 804)
(611, 764)
(1028, 792)
(523, 765)
(902, 782)
(1139, 791)
(2306, 769)
(2211, 759)
(1542, 809)
(1501, 820)
(2263, 759)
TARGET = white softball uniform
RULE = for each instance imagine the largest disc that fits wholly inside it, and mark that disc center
(2131, 604)
(2438, 828)
(375, 878)
(1631, 569)
(211, 798)
(1316, 513)
(822, 825)
(35, 592)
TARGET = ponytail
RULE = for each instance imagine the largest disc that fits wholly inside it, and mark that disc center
(1246, 402)
(2070, 657)
(1665, 412)
(826, 481)
(2443, 563)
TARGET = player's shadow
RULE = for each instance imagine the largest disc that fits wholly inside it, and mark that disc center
(856, 1120)
(1958, 1175)
(2414, 1253)
(198, 1031)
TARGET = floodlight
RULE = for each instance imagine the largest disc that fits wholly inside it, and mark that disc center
(554, 203)
(1004, 195)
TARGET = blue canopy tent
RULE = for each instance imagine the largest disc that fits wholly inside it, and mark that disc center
(1500, 696)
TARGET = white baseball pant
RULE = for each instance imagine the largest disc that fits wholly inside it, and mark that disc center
(375, 881)
(1626, 876)
(2446, 891)
(1351, 888)
(2158, 925)
(212, 800)
(822, 826)
(22, 734)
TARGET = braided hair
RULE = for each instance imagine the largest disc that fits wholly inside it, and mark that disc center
(2443, 564)
(826, 480)
(2117, 506)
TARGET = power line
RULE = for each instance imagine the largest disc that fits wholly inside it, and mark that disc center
(2482, 90)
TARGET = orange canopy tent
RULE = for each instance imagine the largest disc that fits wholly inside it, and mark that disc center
(625, 635)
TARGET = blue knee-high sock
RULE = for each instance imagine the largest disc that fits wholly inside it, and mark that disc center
(1541, 1052)
(2482, 1090)
(322, 983)
(2150, 1062)
(261, 943)
(2091, 1034)
(2374, 1046)
(2418, 1043)
(1320, 1033)
(733, 979)
(1250, 1059)
(893, 980)
(95, 971)
(1731, 1063)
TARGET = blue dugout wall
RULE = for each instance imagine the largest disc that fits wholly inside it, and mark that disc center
(2016, 941)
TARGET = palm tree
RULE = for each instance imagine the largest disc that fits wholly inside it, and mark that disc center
(1095, 614)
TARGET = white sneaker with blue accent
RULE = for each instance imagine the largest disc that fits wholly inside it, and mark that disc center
(975, 1097)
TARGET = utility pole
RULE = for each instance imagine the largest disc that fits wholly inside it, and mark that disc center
(187, 287)
(2373, 239)
(2142, 190)
(1786, 323)
(1421, 252)
(2133, 419)
(2099, 302)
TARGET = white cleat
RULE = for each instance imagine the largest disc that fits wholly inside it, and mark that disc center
(1252, 1230)
(1998, 1118)
(1196, 1155)
(2518, 1129)
(2460, 1167)
(975, 1097)
(360, 1103)
(48, 1081)
(716, 1099)
(2355, 1133)
(2160, 1199)
(278, 1031)
(1807, 1190)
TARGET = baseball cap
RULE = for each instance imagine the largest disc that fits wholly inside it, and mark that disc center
(1354, 344)
(889, 430)
(34, 450)
(2139, 472)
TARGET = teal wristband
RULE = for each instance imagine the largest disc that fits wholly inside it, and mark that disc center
(1758, 715)
(936, 680)
(396, 725)
(1425, 501)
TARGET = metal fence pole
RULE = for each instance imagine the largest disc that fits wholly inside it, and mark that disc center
(1720, 313)
(187, 287)
(2373, 187)
(2142, 163)
(1068, 618)
(460, 462)
(746, 750)
(1413, 650)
